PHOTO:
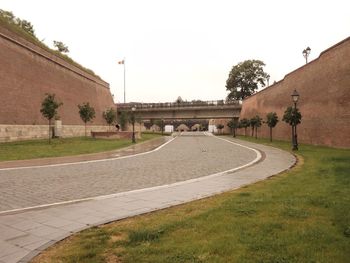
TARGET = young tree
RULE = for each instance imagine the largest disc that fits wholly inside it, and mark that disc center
(244, 123)
(258, 123)
(271, 121)
(220, 127)
(244, 79)
(49, 108)
(60, 46)
(292, 116)
(233, 124)
(252, 122)
(123, 120)
(86, 112)
(110, 115)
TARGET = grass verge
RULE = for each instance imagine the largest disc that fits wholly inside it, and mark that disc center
(302, 215)
(21, 150)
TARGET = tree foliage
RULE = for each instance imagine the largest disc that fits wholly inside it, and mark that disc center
(271, 121)
(49, 108)
(233, 125)
(61, 47)
(110, 115)
(244, 123)
(245, 78)
(87, 113)
(220, 126)
(292, 116)
(12, 19)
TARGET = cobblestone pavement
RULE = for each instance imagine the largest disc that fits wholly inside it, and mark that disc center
(184, 158)
(24, 234)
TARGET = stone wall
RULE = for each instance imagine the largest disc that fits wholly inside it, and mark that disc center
(28, 72)
(324, 88)
(26, 132)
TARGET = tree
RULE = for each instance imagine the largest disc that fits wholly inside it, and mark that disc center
(60, 46)
(244, 79)
(252, 122)
(244, 123)
(233, 124)
(271, 121)
(258, 123)
(292, 116)
(49, 108)
(123, 120)
(26, 26)
(87, 113)
(220, 126)
(110, 115)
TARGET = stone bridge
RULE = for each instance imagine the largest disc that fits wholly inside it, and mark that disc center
(218, 109)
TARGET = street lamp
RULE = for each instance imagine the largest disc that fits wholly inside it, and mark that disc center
(295, 97)
(133, 109)
(306, 53)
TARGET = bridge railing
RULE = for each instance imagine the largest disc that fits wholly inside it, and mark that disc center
(139, 105)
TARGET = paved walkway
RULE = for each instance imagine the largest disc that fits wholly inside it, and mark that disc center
(192, 167)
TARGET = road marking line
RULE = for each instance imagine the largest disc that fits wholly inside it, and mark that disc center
(102, 197)
(92, 161)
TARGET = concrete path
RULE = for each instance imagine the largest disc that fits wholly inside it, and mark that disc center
(25, 233)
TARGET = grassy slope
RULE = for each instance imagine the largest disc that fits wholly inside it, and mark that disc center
(20, 32)
(61, 147)
(302, 215)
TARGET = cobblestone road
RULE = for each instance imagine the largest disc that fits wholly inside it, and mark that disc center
(184, 158)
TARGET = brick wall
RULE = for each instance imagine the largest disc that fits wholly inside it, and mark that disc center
(27, 72)
(324, 88)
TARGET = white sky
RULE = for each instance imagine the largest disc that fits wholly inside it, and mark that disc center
(185, 48)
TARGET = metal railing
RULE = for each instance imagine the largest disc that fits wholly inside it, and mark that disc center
(182, 104)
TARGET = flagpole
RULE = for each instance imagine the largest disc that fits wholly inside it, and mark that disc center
(124, 80)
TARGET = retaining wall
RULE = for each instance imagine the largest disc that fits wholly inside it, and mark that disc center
(324, 88)
(28, 72)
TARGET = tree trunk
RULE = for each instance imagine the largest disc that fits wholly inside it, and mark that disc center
(253, 131)
(234, 132)
(270, 134)
(85, 129)
(49, 131)
(256, 132)
(245, 131)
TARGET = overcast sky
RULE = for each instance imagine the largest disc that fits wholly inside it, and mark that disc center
(184, 48)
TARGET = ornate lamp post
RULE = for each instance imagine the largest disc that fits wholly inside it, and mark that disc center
(306, 53)
(133, 109)
(295, 97)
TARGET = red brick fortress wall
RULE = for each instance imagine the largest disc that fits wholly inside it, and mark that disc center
(324, 88)
(27, 72)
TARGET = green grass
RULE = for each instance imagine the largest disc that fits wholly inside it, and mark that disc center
(302, 215)
(32, 149)
(22, 33)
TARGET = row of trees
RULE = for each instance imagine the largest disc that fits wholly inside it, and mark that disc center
(292, 116)
(50, 105)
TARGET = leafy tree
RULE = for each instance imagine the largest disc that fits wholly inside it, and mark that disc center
(60, 46)
(258, 123)
(110, 115)
(271, 121)
(244, 123)
(49, 108)
(123, 120)
(292, 116)
(26, 26)
(220, 126)
(87, 113)
(252, 122)
(233, 124)
(160, 124)
(244, 79)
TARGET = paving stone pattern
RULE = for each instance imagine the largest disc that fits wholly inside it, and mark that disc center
(184, 158)
(25, 234)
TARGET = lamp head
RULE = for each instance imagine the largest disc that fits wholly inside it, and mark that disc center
(295, 96)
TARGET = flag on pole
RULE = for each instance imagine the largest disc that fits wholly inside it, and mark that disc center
(121, 62)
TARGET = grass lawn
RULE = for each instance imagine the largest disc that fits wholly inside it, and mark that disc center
(302, 215)
(22, 150)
